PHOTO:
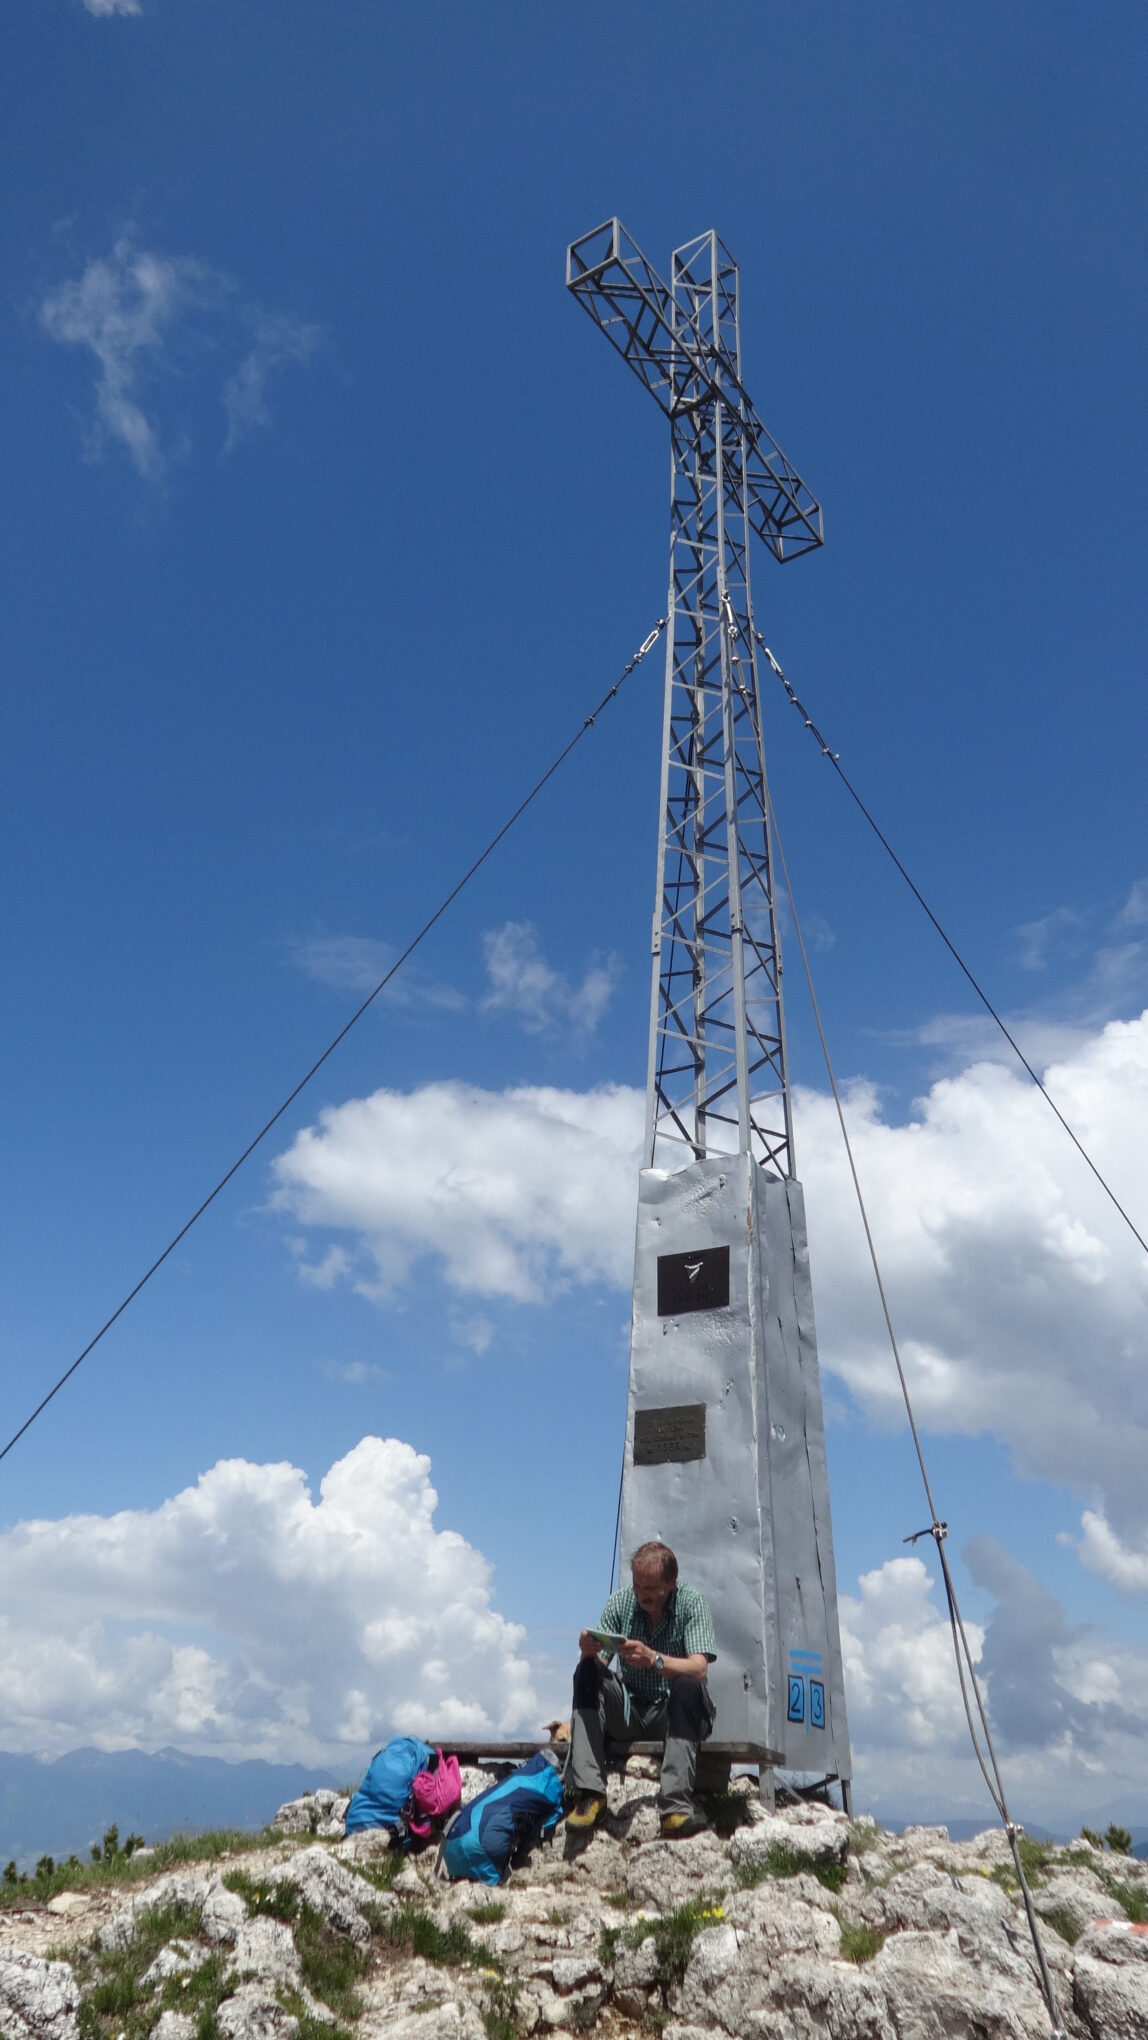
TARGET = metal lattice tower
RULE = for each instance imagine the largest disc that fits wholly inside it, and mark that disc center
(725, 1444)
(718, 1080)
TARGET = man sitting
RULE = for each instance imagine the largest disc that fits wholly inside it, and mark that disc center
(661, 1691)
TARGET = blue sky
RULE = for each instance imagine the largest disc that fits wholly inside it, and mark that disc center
(328, 516)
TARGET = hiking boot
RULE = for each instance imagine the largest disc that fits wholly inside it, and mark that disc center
(677, 1827)
(585, 1814)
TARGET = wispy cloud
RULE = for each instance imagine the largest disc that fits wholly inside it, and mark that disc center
(357, 1373)
(1102, 976)
(276, 343)
(1134, 912)
(113, 6)
(149, 319)
(355, 964)
(1060, 932)
(540, 997)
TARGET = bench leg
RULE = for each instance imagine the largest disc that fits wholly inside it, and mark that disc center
(765, 1786)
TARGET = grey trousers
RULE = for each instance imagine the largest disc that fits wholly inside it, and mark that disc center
(604, 1709)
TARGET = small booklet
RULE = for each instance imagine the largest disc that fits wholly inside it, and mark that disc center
(608, 1638)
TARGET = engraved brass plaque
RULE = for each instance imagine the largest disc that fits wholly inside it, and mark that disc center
(662, 1437)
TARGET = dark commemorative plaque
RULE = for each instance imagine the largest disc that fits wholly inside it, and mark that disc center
(663, 1436)
(693, 1281)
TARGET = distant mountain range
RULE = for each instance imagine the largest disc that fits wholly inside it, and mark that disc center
(65, 1804)
(52, 1808)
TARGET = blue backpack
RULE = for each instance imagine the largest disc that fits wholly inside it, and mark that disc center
(385, 1790)
(481, 1840)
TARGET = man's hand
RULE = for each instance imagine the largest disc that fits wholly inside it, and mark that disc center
(588, 1644)
(637, 1654)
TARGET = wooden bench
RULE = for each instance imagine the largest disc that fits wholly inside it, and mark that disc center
(715, 1759)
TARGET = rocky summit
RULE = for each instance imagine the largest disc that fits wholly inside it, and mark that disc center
(792, 1924)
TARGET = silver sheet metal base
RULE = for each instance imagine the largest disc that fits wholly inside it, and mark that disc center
(725, 1448)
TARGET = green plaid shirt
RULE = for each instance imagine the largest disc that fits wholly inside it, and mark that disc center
(685, 1630)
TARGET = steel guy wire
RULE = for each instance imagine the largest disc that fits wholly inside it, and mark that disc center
(937, 1529)
(986, 1002)
(647, 644)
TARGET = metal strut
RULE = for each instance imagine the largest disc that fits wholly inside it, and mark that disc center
(718, 1080)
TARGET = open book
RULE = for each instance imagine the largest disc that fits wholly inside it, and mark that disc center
(608, 1638)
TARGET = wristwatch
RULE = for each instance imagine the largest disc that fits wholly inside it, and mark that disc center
(659, 1664)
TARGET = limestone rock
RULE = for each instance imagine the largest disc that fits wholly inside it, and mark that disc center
(1110, 1983)
(173, 2026)
(333, 1890)
(773, 1920)
(317, 1813)
(254, 2013)
(825, 1841)
(66, 1903)
(933, 1991)
(1079, 1896)
(38, 1999)
(925, 1896)
(805, 1998)
(267, 1949)
(224, 1913)
(664, 1875)
(448, 2021)
(366, 1845)
(635, 1976)
(179, 1958)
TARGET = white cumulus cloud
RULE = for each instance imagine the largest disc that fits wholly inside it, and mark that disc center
(513, 1192)
(1103, 1552)
(243, 1617)
(1066, 1702)
(1020, 1297)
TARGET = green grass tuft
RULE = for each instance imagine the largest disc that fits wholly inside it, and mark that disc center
(311, 2028)
(121, 1867)
(863, 1835)
(784, 1861)
(858, 1943)
(500, 2008)
(115, 2000)
(1061, 1921)
(331, 1966)
(673, 1936)
(265, 1901)
(1132, 1897)
(608, 1941)
(412, 1930)
(486, 1915)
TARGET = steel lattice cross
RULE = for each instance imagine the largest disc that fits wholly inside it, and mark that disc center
(718, 1080)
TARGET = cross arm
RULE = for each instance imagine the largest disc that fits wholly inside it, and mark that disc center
(624, 295)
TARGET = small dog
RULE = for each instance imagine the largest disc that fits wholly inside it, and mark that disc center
(558, 1731)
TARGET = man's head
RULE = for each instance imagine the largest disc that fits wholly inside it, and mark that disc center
(654, 1570)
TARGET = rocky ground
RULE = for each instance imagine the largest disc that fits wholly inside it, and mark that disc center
(788, 1925)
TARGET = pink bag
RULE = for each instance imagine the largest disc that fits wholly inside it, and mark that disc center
(435, 1793)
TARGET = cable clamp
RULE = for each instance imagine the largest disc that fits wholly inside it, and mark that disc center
(938, 1530)
(1013, 1828)
(652, 640)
